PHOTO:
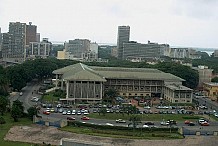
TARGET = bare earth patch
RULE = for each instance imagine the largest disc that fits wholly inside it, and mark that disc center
(40, 134)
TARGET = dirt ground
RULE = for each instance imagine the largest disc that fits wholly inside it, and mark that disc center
(39, 134)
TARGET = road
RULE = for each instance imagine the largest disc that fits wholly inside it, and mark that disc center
(28, 92)
(208, 103)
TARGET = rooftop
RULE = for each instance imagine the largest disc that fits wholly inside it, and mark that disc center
(177, 87)
(212, 84)
(80, 71)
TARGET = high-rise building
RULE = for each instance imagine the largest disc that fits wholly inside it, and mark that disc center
(0, 43)
(13, 45)
(122, 37)
(31, 33)
(16, 41)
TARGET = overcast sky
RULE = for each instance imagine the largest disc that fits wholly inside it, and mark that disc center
(189, 23)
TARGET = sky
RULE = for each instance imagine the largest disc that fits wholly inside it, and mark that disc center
(186, 23)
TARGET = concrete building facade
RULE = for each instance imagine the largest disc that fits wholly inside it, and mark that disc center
(205, 75)
(178, 93)
(16, 41)
(39, 50)
(133, 50)
(77, 47)
(211, 90)
(122, 37)
(215, 53)
(31, 31)
(88, 83)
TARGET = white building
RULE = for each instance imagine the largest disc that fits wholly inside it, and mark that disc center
(39, 49)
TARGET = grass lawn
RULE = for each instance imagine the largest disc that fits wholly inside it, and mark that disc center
(146, 117)
(123, 134)
(5, 127)
(49, 97)
(215, 118)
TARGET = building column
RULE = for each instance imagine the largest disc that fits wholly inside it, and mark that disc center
(94, 90)
(101, 90)
(81, 89)
(67, 89)
(74, 90)
(62, 84)
(56, 81)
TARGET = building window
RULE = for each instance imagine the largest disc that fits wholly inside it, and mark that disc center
(136, 94)
(188, 101)
(142, 88)
(176, 100)
(124, 93)
(141, 94)
(136, 88)
(130, 88)
(130, 94)
(177, 95)
(147, 82)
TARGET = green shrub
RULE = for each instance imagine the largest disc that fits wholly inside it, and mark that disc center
(2, 120)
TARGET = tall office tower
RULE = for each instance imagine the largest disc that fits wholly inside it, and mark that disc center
(14, 42)
(122, 37)
(31, 33)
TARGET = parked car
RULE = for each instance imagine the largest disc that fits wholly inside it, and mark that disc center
(120, 121)
(64, 112)
(187, 122)
(71, 118)
(149, 123)
(85, 118)
(191, 124)
(46, 112)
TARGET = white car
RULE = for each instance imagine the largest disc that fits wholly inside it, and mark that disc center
(120, 121)
(86, 113)
(64, 113)
(145, 126)
(21, 93)
(68, 112)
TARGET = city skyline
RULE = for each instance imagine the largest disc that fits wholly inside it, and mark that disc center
(178, 23)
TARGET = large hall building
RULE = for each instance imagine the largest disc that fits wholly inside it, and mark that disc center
(84, 83)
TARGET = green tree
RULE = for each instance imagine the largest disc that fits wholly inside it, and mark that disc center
(31, 112)
(134, 121)
(103, 111)
(3, 104)
(17, 110)
(215, 79)
(3, 82)
(110, 94)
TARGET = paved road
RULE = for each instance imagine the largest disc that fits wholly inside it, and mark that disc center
(208, 103)
(28, 92)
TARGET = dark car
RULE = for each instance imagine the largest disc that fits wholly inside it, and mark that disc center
(191, 124)
(70, 118)
(149, 123)
(172, 122)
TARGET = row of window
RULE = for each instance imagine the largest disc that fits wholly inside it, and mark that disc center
(135, 82)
